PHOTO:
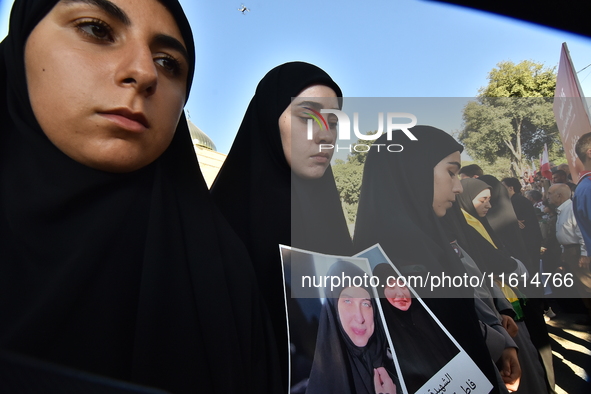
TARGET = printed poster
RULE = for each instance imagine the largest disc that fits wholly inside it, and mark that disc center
(355, 326)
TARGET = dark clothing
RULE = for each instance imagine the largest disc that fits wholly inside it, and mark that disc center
(533, 311)
(396, 210)
(531, 233)
(421, 346)
(266, 204)
(495, 258)
(503, 220)
(341, 367)
(551, 257)
(135, 276)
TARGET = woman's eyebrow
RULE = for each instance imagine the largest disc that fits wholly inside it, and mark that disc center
(171, 42)
(108, 7)
(314, 104)
(117, 13)
(455, 163)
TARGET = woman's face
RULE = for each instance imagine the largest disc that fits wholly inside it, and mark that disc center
(446, 184)
(309, 158)
(107, 84)
(482, 203)
(398, 296)
(356, 315)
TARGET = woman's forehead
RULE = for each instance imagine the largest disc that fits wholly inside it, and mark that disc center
(354, 292)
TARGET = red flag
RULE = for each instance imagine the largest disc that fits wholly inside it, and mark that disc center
(570, 110)
(545, 164)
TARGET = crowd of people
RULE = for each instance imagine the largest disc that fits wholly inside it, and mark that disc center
(117, 261)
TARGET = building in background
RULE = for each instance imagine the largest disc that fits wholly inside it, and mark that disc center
(210, 161)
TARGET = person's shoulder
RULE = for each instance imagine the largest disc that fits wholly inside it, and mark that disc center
(585, 182)
(572, 186)
(522, 200)
(583, 188)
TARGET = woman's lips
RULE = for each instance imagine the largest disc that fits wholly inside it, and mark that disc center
(359, 331)
(321, 158)
(126, 119)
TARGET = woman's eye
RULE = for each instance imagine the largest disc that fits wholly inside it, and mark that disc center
(96, 29)
(367, 304)
(169, 64)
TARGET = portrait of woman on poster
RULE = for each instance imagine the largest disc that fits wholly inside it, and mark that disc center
(351, 348)
(421, 346)
(277, 187)
(108, 235)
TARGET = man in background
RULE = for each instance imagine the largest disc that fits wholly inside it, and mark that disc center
(559, 176)
(471, 171)
(582, 199)
(574, 253)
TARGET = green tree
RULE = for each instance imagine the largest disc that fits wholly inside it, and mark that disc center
(512, 116)
(348, 175)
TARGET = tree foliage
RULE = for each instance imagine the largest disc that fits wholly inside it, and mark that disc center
(512, 116)
(348, 176)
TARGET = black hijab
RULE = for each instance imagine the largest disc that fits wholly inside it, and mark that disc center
(339, 365)
(396, 210)
(264, 203)
(396, 200)
(134, 276)
(471, 188)
(254, 186)
(503, 220)
(495, 258)
(421, 346)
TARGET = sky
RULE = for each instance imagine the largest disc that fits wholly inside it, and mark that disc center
(376, 48)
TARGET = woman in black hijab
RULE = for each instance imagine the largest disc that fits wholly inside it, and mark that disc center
(351, 348)
(503, 220)
(421, 346)
(495, 257)
(402, 196)
(113, 258)
(268, 197)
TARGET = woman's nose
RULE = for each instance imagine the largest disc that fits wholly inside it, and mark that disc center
(138, 70)
(359, 315)
(324, 135)
(457, 185)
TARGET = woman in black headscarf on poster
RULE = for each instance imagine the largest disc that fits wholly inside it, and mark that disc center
(276, 187)
(113, 257)
(351, 348)
(422, 347)
(402, 196)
